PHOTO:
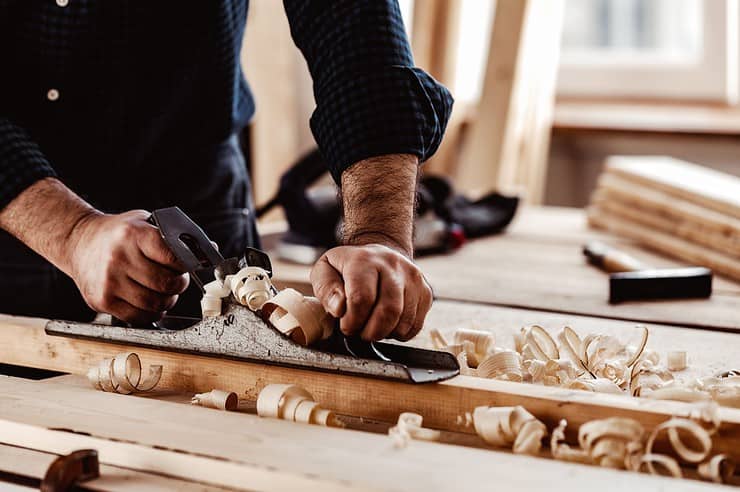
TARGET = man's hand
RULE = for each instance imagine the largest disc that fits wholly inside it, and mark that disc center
(371, 282)
(119, 262)
(376, 291)
(123, 267)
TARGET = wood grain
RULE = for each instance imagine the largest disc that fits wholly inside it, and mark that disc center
(340, 456)
(24, 342)
(33, 464)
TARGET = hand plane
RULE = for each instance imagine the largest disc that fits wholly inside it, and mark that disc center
(238, 333)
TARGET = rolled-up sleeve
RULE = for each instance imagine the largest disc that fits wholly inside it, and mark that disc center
(370, 99)
(21, 161)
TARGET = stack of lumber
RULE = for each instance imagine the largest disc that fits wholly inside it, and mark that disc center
(680, 209)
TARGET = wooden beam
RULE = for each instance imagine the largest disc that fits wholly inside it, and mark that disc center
(33, 464)
(338, 457)
(509, 140)
(435, 36)
(24, 342)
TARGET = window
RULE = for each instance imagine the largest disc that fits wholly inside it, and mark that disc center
(652, 49)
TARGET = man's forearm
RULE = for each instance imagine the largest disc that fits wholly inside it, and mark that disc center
(379, 196)
(44, 216)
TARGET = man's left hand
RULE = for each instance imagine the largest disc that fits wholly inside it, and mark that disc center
(376, 291)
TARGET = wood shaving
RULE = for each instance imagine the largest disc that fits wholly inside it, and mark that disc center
(673, 427)
(293, 403)
(598, 385)
(510, 427)
(719, 469)
(677, 360)
(122, 374)
(251, 287)
(300, 317)
(505, 364)
(536, 343)
(409, 426)
(669, 464)
(218, 399)
(477, 344)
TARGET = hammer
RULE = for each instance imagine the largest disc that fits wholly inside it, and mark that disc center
(630, 280)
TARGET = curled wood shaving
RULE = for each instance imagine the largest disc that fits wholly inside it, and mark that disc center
(598, 385)
(293, 403)
(211, 302)
(477, 344)
(645, 376)
(438, 340)
(409, 426)
(669, 464)
(251, 287)
(561, 450)
(511, 427)
(218, 399)
(720, 469)
(302, 318)
(677, 360)
(505, 364)
(673, 426)
(537, 343)
(122, 374)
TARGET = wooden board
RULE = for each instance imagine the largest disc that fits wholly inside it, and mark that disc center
(23, 342)
(348, 458)
(538, 264)
(33, 464)
(700, 185)
(511, 131)
(667, 243)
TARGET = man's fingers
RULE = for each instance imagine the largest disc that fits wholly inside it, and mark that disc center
(146, 299)
(153, 247)
(328, 287)
(388, 308)
(156, 277)
(406, 323)
(360, 289)
(131, 314)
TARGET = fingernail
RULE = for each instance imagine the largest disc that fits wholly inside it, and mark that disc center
(335, 301)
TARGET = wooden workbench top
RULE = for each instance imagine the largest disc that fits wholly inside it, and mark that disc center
(538, 264)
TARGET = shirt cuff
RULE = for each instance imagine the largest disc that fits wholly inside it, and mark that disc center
(21, 162)
(400, 110)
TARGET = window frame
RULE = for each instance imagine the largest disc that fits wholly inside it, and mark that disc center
(712, 77)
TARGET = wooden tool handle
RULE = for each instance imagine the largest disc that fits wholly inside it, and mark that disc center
(610, 259)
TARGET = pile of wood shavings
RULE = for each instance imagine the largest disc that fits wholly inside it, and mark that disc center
(599, 363)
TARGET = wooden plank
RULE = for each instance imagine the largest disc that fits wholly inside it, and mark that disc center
(351, 457)
(699, 233)
(666, 243)
(713, 189)
(663, 205)
(24, 342)
(434, 38)
(511, 131)
(33, 464)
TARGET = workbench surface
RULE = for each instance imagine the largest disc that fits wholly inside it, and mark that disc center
(532, 274)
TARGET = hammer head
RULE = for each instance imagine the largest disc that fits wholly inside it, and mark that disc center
(667, 283)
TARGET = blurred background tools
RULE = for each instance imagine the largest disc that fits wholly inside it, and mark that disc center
(630, 280)
(444, 219)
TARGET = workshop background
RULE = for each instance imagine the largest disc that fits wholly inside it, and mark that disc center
(577, 82)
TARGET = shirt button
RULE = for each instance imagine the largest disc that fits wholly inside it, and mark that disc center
(62, 3)
(53, 94)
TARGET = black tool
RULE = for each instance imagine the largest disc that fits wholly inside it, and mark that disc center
(630, 280)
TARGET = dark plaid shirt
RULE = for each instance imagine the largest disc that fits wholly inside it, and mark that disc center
(102, 92)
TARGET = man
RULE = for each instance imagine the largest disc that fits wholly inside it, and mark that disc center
(108, 107)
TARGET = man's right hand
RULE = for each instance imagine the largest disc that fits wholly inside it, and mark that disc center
(123, 267)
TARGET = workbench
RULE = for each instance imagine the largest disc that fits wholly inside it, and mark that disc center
(534, 273)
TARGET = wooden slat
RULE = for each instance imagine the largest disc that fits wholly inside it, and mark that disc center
(33, 464)
(349, 457)
(667, 243)
(712, 189)
(508, 144)
(24, 342)
(434, 38)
